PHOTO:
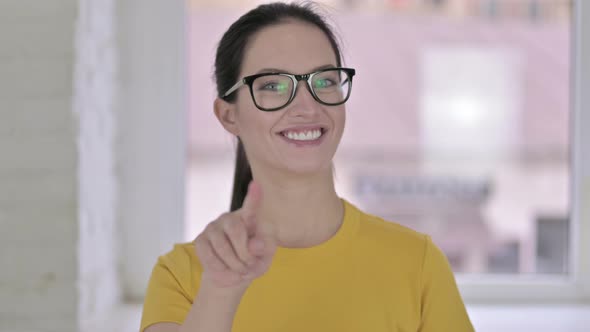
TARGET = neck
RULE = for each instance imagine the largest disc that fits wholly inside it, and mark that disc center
(305, 209)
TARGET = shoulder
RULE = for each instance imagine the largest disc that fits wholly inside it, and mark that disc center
(172, 287)
(390, 233)
(182, 254)
(181, 263)
(410, 246)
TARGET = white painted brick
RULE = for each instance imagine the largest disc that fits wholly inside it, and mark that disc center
(41, 280)
(37, 264)
(35, 78)
(58, 79)
(37, 117)
(52, 188)
(31, 223)
(36, 38)
(40, 323)
(19, 9)
(45, 152)
(38, 160)
(46, 299)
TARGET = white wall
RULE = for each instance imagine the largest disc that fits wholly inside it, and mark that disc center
(38, 165)
(57, 184)
(92, 139)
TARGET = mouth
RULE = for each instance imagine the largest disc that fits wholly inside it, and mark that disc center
(306, 136)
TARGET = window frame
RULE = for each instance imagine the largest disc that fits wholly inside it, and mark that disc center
(146, 209)
(574, 287)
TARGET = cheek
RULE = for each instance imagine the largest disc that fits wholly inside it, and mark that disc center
(339, 117)
(254, 124)
(246, 118)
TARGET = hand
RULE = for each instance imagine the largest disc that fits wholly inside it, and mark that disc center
(237, 248)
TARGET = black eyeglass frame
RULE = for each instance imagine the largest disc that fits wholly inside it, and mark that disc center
(248, 80)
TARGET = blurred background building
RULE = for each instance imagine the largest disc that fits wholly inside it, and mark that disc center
(458, 124)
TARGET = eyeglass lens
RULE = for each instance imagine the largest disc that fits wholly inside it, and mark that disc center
(274, 91)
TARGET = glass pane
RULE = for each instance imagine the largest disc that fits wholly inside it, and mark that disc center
(457, 125)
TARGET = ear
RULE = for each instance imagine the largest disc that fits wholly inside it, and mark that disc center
(226, 114)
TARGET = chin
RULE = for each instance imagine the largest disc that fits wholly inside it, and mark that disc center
(308, 168)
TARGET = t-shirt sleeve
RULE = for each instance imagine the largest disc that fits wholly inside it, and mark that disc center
(169, 293)
(442, 308)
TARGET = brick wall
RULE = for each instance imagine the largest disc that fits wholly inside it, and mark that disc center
(57, 244)
(38, 157)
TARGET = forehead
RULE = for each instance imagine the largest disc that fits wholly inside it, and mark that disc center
(292, 46)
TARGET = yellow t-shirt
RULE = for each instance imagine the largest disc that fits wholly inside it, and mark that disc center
(372, 275)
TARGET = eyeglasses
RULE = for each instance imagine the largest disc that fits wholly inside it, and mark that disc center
(273, 91)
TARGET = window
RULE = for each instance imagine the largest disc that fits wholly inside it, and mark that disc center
(465, 135)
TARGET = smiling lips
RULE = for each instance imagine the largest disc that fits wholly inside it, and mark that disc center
(302, 136)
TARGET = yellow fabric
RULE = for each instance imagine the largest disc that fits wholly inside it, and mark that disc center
(372, 275)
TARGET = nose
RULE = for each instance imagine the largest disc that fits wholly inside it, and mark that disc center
(303, 103)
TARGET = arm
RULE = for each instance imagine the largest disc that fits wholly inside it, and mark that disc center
(228, 261)
(163, 327)
(442, 306)
(228, 255)
(212, 311)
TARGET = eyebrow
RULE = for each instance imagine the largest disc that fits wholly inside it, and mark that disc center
(276, 70)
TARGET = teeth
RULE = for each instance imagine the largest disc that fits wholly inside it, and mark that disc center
(304, 136)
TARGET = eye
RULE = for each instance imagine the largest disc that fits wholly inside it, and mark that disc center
(274, 86)
(321, 83)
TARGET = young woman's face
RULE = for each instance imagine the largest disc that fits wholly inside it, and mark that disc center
(272, 139)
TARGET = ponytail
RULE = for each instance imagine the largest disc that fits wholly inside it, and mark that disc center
(242, 177)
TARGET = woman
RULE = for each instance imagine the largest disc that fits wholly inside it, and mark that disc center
(292, 255)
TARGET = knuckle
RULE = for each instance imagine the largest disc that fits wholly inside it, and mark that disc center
(213, 225)
(223, 216)
(209, 258)
(208, 229)
(223, 247)
(215, 232)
